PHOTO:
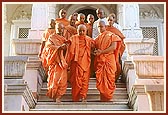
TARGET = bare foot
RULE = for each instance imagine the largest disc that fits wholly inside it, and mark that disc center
(84, 100)
(54, 99)
(58, 100)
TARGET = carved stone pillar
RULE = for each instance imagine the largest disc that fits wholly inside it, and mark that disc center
(32, 75)
(52, 11)
(39, 20)
(129, 20)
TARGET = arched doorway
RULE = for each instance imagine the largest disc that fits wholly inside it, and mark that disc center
(88, 11)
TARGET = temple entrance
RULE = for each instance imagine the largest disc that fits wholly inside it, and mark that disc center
(88, 11)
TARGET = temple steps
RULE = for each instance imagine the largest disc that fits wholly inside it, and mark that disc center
(118, 103)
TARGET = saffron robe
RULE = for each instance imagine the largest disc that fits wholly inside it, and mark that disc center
(79, 22)
(121, 48)
(118, 32)
(45, 38)
(69, 31)
(89, 29)
(79, 58)
(57, 74)
(105, 65)
(62, 20)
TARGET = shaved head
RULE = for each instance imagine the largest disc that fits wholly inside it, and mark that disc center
(101, 26)
(60, 28)
(62, 13)
(101, 23)
(72, 20)
(100, 13)
(81, 17)
(82, 29)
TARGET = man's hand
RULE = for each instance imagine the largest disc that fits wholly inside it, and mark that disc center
(97, 52)
(68, 42)
(63, 46)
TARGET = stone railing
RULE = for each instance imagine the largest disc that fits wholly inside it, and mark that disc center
(144, 76)
(145, 73)
(34, 75)
(139, 46)
(147, 95)
(26, 46)
(17, 95)
(30, 48)
(14, 66)
(149, 66)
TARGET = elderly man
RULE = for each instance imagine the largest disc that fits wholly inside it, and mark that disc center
(71, 29)
(79, 58)
(55, 52)
(101, 17)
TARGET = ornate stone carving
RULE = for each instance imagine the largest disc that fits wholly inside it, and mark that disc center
(22, 12)
(151, 13)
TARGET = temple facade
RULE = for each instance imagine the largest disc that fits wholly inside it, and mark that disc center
(143, 60)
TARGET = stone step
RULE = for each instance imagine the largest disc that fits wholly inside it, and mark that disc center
(90, 97)
(92, 85)
(88, 100)
(80, 106)
(90, 91)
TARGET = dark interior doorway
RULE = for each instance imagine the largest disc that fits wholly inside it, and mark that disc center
(88, 11)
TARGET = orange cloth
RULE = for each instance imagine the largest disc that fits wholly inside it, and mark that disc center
(79, 22)
(89, 29)
(121, 48)
(79, 58)
(69, 31)
(62, 20)
(57, 74)
(45, 37)
(117, 32)
(105, 65)
(47, 33)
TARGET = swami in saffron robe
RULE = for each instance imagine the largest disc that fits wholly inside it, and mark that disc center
(79, 58)
(57, 74)
(105, 65)
(45, 38)
(121, 48)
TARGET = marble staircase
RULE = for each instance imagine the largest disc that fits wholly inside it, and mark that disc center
(119, 102)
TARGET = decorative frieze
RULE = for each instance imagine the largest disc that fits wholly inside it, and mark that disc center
(26, 46)
(149, 66)
(14, 66)
(149, 13)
